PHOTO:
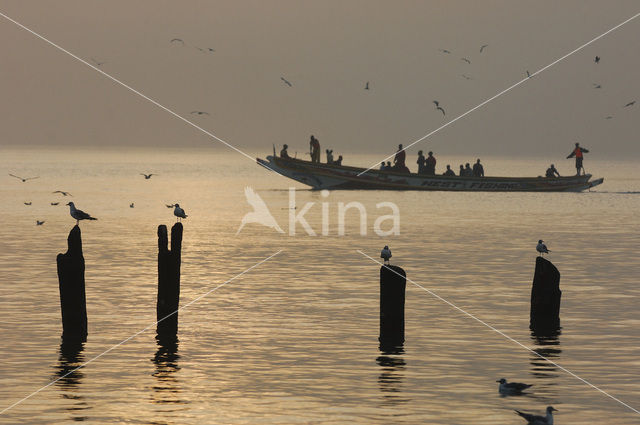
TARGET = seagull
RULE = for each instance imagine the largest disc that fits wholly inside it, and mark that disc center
(131, 205)
(260, 213)
(597, 59)
(597, 86)
(285, 81)
(541, 247)
(482, 47)
(445, 51)
(39, 223)
(147, 176)
(200, 113)
(78, 214)
(438, 107)
(55, 203)
(366, 87)
(528, 75)
(630, 104)
(385, 254)
(466, 60)
(511, 387)
(177, 40)
(24, 179)
(539, 420)
(98, 63)
(63, 193)
(179, 212)
(169, 206)
(28, 203)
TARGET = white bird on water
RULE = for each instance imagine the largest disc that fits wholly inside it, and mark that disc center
(179, 212)
(539, 420)
(541, 247)
(385, 254)
(511, 387)
(78, 214)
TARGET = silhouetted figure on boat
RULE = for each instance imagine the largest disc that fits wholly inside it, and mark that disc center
(431, 164)
(284, 153)
(338, 161)
(467, 170)
(478, 169)
(382, 166)
(577, 152)
(314, 149)
(399, 161)
(422, 162)
(461, 173)
(552, 172)
(329, 156)
(388, 167)
(449, 171)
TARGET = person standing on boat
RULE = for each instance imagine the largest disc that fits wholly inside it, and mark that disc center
(431, 164)
(577, 152)
(399, 159)
(283, 152)
(314, 149)
(422, 161)
(478, 169)
(449, 171)
(468, 171)
(552, 172)
(382, 166)
(462, 172)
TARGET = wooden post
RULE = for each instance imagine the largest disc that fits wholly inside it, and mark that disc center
(545, 297)
(73, 302)
(168, 280)
(393, 281)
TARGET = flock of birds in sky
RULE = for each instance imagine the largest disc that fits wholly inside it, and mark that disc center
(79, 215)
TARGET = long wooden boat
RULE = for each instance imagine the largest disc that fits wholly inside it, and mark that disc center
(335, 177)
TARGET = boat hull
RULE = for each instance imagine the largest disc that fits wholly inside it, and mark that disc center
(334, 177)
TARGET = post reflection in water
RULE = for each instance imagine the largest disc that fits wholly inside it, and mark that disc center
(545, 372)
(167, 388)
(390, 379)
(71, 357)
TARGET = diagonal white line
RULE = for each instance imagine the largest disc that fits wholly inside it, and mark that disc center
(138, 333)
(506, 90)
(112, 78)
(505, 335)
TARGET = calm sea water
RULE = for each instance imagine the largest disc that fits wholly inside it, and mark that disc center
(295, 339)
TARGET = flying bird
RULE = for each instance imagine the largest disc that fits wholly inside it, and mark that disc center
(597, 59)
(131, 205)
(482, 47)
(97, 62)
(541, 247)
(438, 107)
(630, 104)
(597, 86)
(511, 388)
(466, 77)
(260, 213)
(445, 51)
(63, 193)
(177, 40)
(528, 75)
(200, 112)
(39, 223)
(147, 176)
(24, 179)
(285, 81)
(466, 60)
(538, 420)
(55, 203)
(28, 203)
(179, 212)
(366, 87)
(78, 214)
(385, 254)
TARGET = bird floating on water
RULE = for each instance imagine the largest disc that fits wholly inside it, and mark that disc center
(147, 176)
(512, 388)
(78, 214)
(542, 248)
(63, 193)
(539, 420)
(24, 179)
(285, 81)
(597, 59)
(179, 212)
(385, 254)
(28, 203)
(630, 104)
(482, 47)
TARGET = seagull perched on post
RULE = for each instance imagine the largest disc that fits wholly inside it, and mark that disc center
(385, 254)
(511, 387)
(78, 214)
(539, 420)
(179, 212)
(542, 248)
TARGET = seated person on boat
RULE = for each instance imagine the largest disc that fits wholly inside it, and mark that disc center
(552, 172)
(430, 167)
(449, 171)
(398, 161)
(283, 152)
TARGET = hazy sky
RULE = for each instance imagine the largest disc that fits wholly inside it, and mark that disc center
(328, 50)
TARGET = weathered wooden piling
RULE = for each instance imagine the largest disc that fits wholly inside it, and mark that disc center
(393, 281)
(73, 302)
(168, 280)
(545, 297)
